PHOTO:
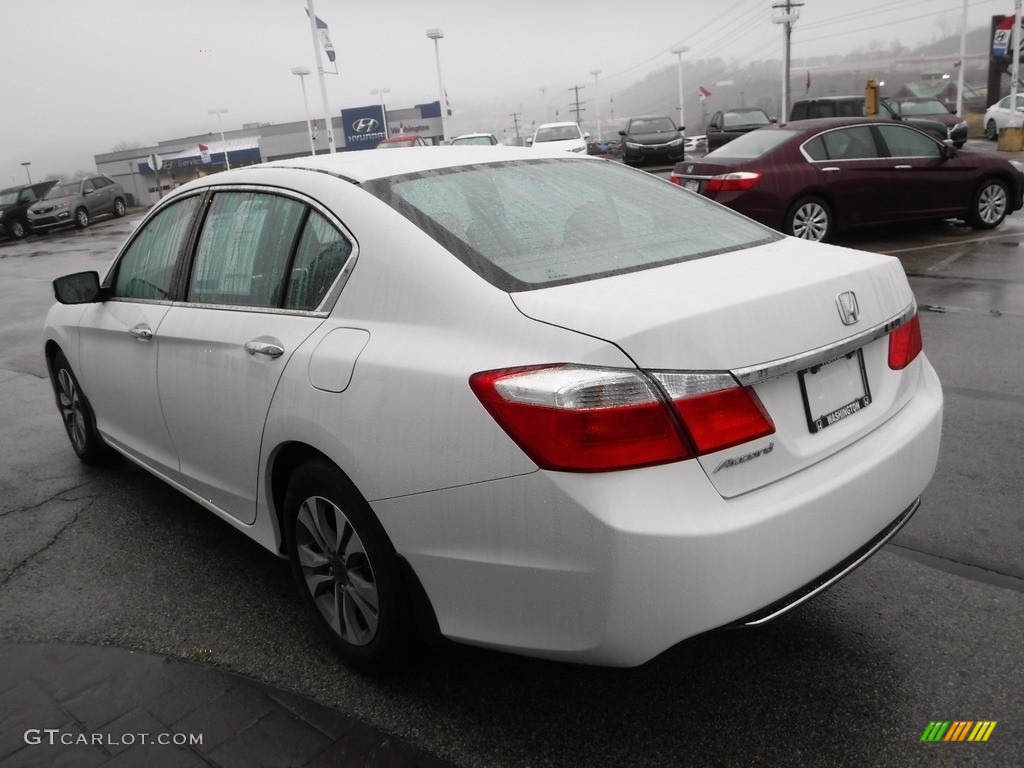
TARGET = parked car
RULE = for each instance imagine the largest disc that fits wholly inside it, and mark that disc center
(567, 136)
(725, 125)
(1000, 116)
(77, 202)
(694, 145)
(402, 140)
(854, 106)
(653, 138)
(933, 109)
(542, 403)
(814, 177)
(14, 204)
(487, 139)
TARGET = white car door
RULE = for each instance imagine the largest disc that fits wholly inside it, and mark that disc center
(119, 339)
(263, 264)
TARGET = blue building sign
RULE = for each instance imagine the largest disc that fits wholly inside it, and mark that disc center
(363, 126)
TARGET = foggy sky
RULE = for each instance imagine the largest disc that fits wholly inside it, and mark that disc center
(84, 75)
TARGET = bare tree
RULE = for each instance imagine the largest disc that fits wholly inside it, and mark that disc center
(123, 146)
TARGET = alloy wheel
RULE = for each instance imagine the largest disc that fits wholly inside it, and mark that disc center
(71, 409)
(810, 222)
(992, 204)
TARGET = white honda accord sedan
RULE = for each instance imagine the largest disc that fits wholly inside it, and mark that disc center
(551, 405)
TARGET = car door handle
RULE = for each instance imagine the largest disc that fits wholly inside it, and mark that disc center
(264, 348)
(903, 167)
(141, 332)
(830, 169)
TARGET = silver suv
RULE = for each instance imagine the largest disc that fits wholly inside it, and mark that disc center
(77, 202)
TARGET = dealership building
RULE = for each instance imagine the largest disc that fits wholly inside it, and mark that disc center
(147, 173)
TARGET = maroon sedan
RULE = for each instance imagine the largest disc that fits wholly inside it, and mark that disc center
(810, 178)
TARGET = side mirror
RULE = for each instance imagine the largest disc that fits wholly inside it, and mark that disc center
(949, 149)
(622, 133)
(681, 128)
(79, 288)
(529, 141)
(773, 120)
(586, 135)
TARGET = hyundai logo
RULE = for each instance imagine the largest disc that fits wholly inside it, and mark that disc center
(849, 312)
(365, 125)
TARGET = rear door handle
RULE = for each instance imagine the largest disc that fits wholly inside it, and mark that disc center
(141, 332)
(903, 167)
(830, 169)
(264, 348)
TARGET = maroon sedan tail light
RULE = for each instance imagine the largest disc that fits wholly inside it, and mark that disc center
(733, 182)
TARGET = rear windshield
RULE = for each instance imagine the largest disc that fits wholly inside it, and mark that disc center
(539, 223)
(751, 146)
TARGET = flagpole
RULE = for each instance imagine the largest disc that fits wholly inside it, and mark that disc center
(320, 75)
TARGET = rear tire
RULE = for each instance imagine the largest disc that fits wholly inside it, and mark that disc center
(989, 205)
(77, 415)
(346, 569)
(991, 131)
(119, 209)
(810, 218)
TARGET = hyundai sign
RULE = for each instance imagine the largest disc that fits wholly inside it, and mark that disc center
(363, 126)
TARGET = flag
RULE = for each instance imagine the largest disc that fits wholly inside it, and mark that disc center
(204, 153)
(447, 106)
(702, 93)
(325, 39)
(807, 88)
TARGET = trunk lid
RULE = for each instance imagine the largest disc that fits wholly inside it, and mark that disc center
(742, 311)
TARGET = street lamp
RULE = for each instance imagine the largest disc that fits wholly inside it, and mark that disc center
(679, 50)
(383, 109)
(436, 34)
(223, 142)
(597, 100)
(302, 72)
(26, 171)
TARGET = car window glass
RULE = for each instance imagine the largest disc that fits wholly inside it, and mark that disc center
(321, 254)
(88, 186)
(99, 182)
(906, 142)
(28, 195)
(597, 219)
(144, 270)
(244, 249)
(855, 143)
(815, 149)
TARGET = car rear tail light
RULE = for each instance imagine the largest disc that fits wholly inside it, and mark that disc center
(582, 419)
(677, 180)
(905, 344)
(733, 182)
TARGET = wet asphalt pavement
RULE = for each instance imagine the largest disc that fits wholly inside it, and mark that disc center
(930, 629)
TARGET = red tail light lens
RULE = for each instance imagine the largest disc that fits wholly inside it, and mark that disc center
(905, 344)
(581, 419)
(733, 182)
(677, 180)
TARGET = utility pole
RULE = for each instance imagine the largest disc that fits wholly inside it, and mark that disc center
(578, 108)
(790, 13)
(544, 98)
(515, 120)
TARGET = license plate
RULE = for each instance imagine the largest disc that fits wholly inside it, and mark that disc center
(692, 184)
(834, 390)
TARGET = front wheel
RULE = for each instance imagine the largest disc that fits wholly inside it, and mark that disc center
(346, 569)
(81, 218)
(810, 219)
(17, 230)
(989, 205)
(991, 131)
(79, 421)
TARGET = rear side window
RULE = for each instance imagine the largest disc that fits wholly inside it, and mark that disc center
(321, 254)
(533, 224)
(145, 269)
(243, 253)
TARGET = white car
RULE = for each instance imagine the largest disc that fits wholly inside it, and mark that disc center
(1000, 116)
(485, 139)
(559, 136)
(550, 405)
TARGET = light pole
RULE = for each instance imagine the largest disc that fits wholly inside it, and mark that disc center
(26, 171)
(435, 34)
(383, 109)
(223, 142)
(679, 50)
(597, 101)
(302, 72)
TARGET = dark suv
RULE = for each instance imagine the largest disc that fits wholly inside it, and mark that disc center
(853, 106)
(14, 202)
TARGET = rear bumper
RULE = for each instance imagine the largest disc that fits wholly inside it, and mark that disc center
(615, 568)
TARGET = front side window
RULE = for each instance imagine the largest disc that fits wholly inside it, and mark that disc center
(906, 142)
(145, 268)
(244, 250)
(533, 224)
